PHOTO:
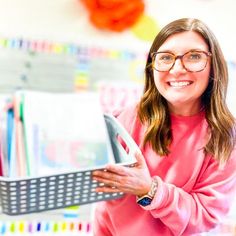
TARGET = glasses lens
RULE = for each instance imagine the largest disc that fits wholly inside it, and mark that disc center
(195, 61)
(163, 61)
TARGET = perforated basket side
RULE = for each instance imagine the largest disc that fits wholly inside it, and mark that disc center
(29, 195)
(51, 192)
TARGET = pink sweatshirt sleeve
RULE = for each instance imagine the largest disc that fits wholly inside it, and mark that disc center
(210, 199)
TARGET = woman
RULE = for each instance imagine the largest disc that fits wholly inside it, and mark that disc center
(185, 180)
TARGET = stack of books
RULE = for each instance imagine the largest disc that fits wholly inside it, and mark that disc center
(45, 133)
(48, 133)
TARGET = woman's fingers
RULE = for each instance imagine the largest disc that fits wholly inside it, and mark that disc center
(108, 189)
(110, 182)
(105, 174)
(117, 178)
(117, 169)
(111, 170)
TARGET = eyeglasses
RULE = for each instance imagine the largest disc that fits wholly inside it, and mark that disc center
(192, 61)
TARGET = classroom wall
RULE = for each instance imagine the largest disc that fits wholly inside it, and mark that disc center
(68, 21)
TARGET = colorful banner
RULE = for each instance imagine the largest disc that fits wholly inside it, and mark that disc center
(45, 228)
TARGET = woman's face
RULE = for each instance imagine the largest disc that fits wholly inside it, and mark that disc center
(183, 89)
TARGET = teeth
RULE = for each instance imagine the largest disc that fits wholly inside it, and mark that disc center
(179, 84)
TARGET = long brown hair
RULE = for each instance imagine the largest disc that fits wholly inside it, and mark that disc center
(153, 109)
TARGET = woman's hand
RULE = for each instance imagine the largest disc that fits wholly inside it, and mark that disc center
(133, 180)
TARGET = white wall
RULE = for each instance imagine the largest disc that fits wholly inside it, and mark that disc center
(67, 21)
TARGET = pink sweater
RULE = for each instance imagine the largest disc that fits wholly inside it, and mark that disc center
(193, 192)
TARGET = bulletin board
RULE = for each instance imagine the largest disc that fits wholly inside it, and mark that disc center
(60, 67)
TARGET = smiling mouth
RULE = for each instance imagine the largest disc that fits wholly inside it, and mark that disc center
(180, 84)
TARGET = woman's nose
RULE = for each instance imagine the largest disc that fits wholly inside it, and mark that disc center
(178, 67)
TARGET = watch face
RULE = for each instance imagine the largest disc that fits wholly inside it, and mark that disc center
(145, 201)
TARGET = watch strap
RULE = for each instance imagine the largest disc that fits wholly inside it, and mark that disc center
(151, 192)
(153, 188)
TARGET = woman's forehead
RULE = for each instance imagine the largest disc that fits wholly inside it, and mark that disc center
(183, 42)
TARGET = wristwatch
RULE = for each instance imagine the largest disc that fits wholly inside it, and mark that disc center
(147, 198)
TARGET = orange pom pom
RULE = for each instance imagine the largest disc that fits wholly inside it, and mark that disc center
(115, 15)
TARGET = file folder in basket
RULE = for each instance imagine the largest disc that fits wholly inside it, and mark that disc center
(28, 195)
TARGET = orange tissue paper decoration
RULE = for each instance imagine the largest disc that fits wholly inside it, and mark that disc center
(114, 15)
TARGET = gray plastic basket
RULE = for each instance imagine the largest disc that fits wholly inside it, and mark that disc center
(28, 195)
